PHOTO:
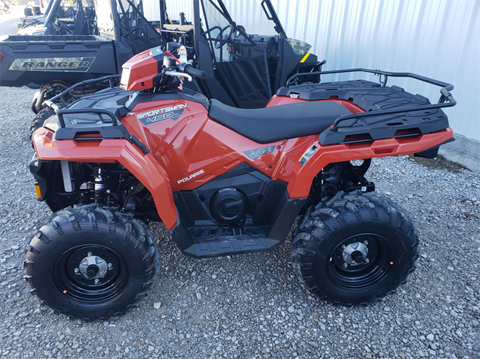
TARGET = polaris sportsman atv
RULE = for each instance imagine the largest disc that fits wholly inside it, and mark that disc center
(224, 181)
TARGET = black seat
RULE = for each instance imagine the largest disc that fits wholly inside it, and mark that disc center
(270, 124)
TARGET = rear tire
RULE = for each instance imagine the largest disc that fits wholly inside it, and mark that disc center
(89, 263)
(355, 248)
(39, 120)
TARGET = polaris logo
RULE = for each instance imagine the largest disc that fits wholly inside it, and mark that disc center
(70, 64)
(191, 176)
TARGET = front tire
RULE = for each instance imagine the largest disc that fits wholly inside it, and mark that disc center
(355, 248)
(89, 263)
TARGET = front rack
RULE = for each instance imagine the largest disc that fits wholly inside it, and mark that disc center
(446, 99)
(61, 96)
(115, 128)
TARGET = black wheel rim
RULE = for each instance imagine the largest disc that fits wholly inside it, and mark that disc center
(77, 286)
(375, 268)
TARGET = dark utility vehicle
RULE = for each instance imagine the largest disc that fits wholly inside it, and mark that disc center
(59, 18)
(54, 61)
(242, 70)
(224, 181)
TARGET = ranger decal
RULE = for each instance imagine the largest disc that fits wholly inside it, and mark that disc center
(62, 64)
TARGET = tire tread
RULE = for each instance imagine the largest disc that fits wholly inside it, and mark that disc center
(318, 220)
(90, 217)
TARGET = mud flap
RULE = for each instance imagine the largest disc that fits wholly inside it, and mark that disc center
(432, 152)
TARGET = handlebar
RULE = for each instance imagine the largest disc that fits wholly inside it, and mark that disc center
(192, 71)
(179, 74)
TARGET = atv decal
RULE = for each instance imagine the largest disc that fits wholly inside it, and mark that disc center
(160, 114)
(63, 64)
(166, 116)
(193, 175)
(254, 154)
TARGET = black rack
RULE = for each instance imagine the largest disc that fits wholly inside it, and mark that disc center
(50, 103)
(114, 130)
(444, 91)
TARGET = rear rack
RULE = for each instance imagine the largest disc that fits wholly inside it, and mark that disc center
(404, 114)
(444, 91)
(113, 129)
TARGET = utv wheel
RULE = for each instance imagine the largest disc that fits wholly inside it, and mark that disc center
(90, 263)
(39, 120)
(355, 248)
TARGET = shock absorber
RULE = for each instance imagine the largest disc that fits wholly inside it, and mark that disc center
(98, 187)
(330, 179)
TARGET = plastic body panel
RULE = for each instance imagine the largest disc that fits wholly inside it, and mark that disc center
(139, 71)
(72, 58)
(144, 167)
(189, 149)
(300, 177)
(192, 142)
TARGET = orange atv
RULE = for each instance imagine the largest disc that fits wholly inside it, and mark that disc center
(224, 181)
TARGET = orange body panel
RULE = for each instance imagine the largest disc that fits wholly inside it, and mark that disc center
(139, 77)
(300, 177)
(143, 167)
(196, 143)
(189, 149)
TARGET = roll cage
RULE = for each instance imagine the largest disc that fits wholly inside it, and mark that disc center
(243, 70)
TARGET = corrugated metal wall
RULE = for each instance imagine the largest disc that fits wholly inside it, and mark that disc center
(434, 38)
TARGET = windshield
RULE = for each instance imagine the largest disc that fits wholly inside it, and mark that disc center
(214, 15)
(256, 22)
(251, 16)
(174, 8)
(215, 21)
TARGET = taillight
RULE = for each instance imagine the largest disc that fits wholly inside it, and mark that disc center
(2, 56)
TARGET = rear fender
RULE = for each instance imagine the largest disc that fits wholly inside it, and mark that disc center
(144, 167)
(300, 177)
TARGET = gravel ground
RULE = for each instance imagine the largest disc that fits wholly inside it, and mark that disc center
(252, 306)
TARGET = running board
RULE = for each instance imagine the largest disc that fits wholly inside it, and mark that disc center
(216, 242)
(226, 245)
(206, 241)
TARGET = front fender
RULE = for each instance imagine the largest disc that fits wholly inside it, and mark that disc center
(144, 167)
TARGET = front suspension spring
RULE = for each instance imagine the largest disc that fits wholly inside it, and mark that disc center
(98, 187)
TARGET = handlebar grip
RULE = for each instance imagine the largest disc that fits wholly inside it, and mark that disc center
(192, 71)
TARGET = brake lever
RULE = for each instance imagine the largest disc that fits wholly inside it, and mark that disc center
(179, 74)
